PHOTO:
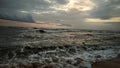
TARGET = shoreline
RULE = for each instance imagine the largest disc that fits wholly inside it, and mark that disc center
(113, 63)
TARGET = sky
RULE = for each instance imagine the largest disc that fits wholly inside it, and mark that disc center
(78, 14)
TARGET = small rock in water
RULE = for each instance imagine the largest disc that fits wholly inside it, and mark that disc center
(72, 50)
(89, 34)
(41, 31)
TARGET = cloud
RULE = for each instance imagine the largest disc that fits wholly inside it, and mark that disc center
(51, 10)
(12, 8)
(28, 24)
(21, 10)
(16, 16)
(80, 5)
(114, 19)
(105, 9)
(71, 12)
(24, 4)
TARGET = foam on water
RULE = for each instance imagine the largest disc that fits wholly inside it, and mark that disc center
(60, 55)
(58, 47)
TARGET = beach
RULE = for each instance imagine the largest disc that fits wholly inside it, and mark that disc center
(113, 63)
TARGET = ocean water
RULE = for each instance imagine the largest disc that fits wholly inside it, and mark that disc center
(61, 48)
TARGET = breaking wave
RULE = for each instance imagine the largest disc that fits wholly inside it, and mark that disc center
(56, 48)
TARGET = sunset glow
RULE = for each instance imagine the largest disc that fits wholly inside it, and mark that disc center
(115, 19)
(80, 5)
(78, 14)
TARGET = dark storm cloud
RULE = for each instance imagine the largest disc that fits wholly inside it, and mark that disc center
(106, 9)
(23, 4)
(16, 16)
(10, 9)
(29, 5)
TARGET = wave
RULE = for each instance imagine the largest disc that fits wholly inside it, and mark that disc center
(29, 46)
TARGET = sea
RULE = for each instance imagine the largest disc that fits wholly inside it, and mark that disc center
(23, 47)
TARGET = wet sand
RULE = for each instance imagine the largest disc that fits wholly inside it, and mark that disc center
(114, 63)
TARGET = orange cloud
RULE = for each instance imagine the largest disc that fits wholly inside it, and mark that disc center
(114, 19)
(37, 25)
